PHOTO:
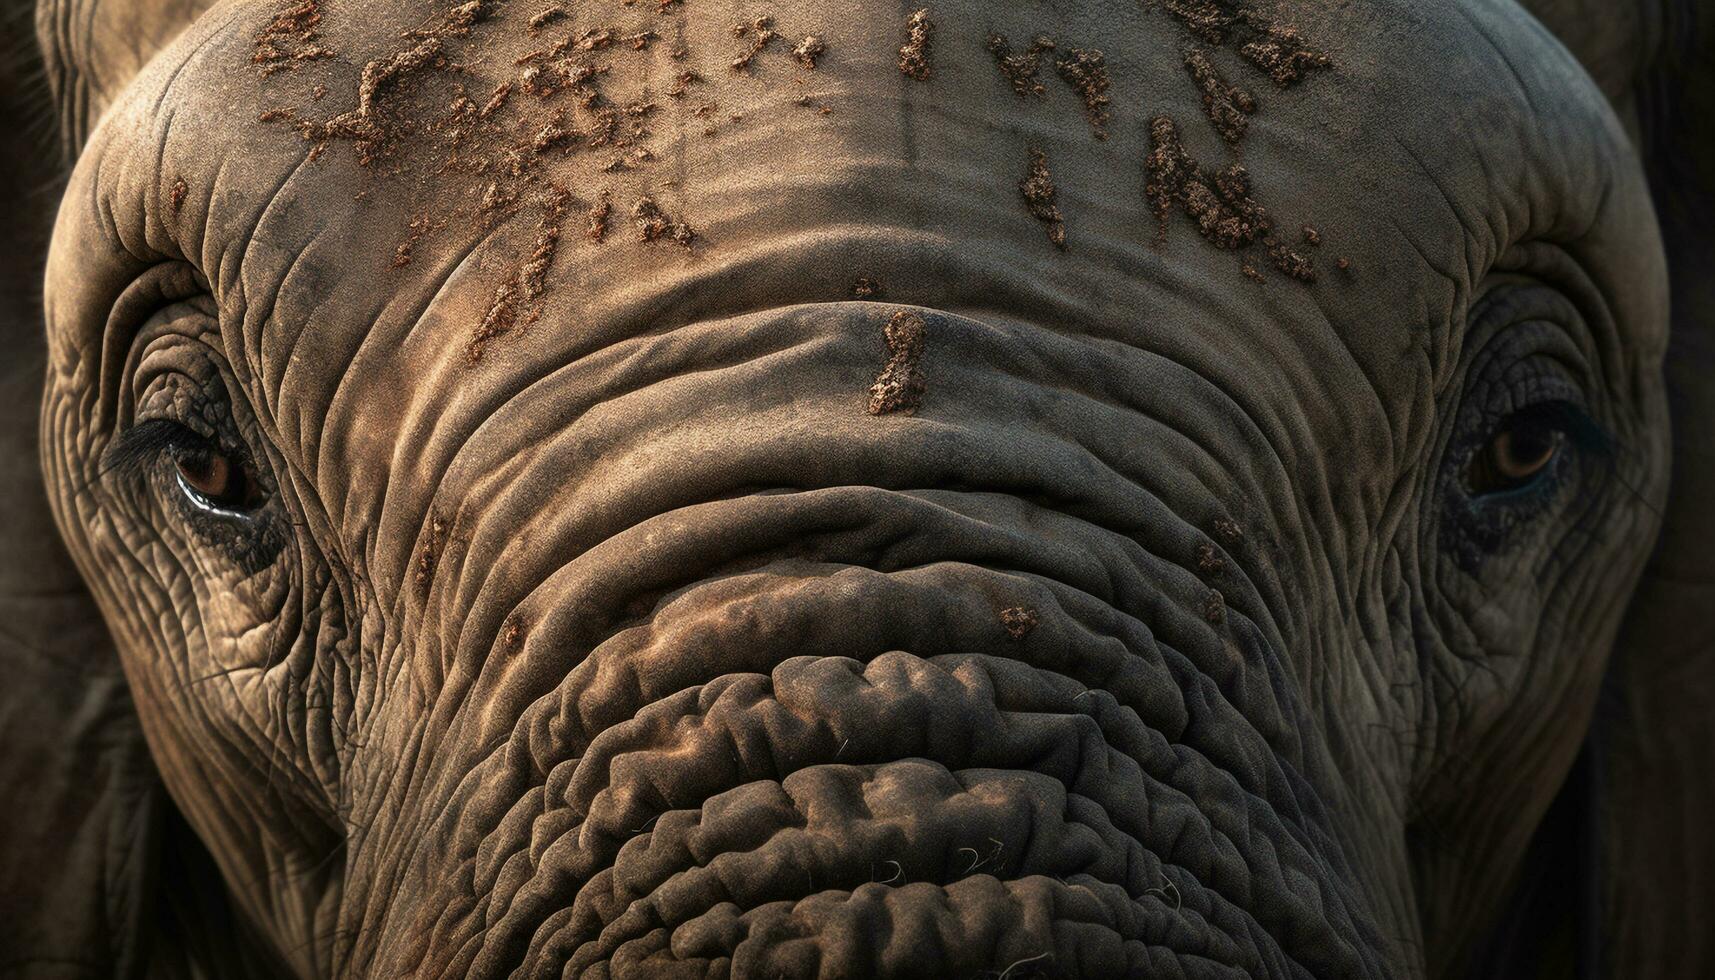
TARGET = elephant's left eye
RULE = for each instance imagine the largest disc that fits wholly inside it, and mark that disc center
(210, 478)
(214, 480)
(1519, 452)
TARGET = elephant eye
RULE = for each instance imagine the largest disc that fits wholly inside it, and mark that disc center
(213, 480)
(210, 478)
(1519, 452)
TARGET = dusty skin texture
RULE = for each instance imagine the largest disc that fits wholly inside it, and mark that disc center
(517, 534)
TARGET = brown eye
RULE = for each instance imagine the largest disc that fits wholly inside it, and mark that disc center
(213, 479)
(1520, 452)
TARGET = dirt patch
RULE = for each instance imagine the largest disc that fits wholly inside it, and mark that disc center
(420, 226)
(1295, 264)
(364, 124)
(1312, 237)
(513, 634)
(1220, 204)
(502, 314)
(176, 198)
(1229, 531)
(596, 231)
(290, 39)
(1209, 561)
(469, 143)
(1284, 54)
(1279, 50)
(866, 288)
(1019, 621)
(552, 135)
(654, 224)
(760, 33)
(1087, 73)
(1039, 196)
(1227, 106)
(900, 386)
(528, 282)
(1208, 19)
(919, 42)
(429, 559)
(682, 84)
(594, 39)
(810, 50)
(534, 274)
(497, 198)
(546, 17)
(1022, 70)
(1214, 607)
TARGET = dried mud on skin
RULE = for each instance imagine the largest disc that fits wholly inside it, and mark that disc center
(420, 226)
(1276, 49)
(177, 199)
(596, 231)
(1084, 70)
(1087, 73)
(919, 42)
(1039, 196)
(1209, 561)
(866, 288)
(900, 386)
(760, 34)
(429, 559)
(653, 224)
(1227, 106)
(1229, 531)
(546, 17)
(412, 119)
(290, 39)
(1019, 621)
(809, 50)
(1284, 55)
(1220, 204)
(1023, 70)
(527, 283)
(363, 124)
(1214, 607)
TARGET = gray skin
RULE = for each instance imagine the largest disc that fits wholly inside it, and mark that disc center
(583, 620)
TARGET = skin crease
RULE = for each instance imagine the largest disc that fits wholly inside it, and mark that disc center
(407, 687)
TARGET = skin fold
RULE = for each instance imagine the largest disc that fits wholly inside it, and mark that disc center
(682, 488)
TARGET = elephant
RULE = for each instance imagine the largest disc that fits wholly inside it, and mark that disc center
(1159, 488)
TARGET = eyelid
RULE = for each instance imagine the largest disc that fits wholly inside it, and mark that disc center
(143, 442)
(1584, 431)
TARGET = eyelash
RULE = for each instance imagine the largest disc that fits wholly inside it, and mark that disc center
(147, 441)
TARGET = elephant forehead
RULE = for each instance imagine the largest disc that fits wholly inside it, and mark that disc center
(1121, 156)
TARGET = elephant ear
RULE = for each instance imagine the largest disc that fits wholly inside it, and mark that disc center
(99, 876)
(1622, 879)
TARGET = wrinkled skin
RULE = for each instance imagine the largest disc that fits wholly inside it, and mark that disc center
(610, 633)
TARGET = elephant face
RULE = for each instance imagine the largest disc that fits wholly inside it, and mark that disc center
(1091, 488)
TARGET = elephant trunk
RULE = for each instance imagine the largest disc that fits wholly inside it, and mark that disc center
(728, 713)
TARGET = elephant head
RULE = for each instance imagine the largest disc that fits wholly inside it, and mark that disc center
(684, 488)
